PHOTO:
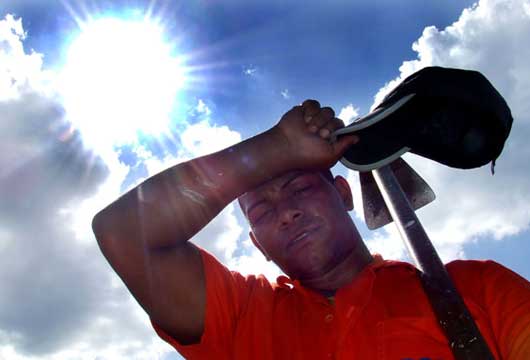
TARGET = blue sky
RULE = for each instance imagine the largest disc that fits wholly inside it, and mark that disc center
(244, 64)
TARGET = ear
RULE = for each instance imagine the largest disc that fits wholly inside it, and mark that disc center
(344, 190)
(258, 245)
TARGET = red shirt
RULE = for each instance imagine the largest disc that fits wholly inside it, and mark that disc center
(382, 314)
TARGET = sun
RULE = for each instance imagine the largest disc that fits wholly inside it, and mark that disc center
(120, 80)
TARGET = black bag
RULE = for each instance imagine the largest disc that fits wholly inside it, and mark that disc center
(455, 117)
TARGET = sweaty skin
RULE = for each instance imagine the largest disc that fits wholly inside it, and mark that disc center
(144, 234)
(300, 221)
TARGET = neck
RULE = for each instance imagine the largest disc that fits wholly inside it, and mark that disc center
(342, 273)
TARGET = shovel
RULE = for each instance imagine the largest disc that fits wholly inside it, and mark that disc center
(464, 337)
(455, 117)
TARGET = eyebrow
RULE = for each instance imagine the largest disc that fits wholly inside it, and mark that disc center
(284, 185)
(291, 179)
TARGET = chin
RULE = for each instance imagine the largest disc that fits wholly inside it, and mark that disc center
(309, 270)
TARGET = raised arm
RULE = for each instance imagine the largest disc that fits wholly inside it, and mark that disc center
(144, 234)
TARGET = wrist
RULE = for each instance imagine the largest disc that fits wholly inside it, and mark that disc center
(277, 150)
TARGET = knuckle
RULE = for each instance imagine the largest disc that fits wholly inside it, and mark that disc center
(319, 120)
(328, 111)
(324, 133)
(337, 122)
(310, 103)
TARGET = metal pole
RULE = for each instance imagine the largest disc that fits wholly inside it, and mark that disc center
(464, 337)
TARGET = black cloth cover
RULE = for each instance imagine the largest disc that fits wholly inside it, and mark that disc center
(456, 117)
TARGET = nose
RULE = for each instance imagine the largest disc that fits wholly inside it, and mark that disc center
(289, 214)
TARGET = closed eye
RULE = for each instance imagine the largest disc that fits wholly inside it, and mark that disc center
(260, 215)
(302, 190)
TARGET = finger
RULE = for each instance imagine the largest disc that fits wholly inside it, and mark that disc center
(343, 143)
(334, 124)
(324, 133)
(311, 108)
(330, 127)
(320, 120)
(310, 103)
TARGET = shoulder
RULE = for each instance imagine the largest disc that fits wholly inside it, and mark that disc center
(392, 276)
(487, 281)
(470, 265)
(470, 271)
(242, 289)
(469, 276)
(459, 269)
(392, 268)
(392, 273)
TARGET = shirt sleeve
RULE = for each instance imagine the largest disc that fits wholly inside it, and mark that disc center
(504, 296)
(225, 298)
(508, 298)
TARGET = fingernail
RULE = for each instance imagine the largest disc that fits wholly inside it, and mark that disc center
(313, 128)
(324, 133)
(308, 118)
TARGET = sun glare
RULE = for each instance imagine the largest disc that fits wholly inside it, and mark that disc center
(120, 80)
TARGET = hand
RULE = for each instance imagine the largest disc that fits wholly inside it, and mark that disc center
(305, 133)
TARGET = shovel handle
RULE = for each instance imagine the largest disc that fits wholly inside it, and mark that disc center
(464, 337)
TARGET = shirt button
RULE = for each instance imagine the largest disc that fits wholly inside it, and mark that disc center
(328, 318)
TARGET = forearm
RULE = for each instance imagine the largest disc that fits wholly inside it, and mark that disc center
(172, 206)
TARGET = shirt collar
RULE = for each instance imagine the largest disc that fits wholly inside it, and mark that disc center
(358, 290)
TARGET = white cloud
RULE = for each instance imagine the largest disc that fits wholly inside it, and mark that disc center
(203, 138)
(59, 296)
(470, 204)
(202, 108)
(79, 213)
(19, 72)
(250, 71)
(5, 239)
(385, 241)
(220, 236)
(388, 243)
(355, 185)
(254, 263)
(285, 94)
(348, 114)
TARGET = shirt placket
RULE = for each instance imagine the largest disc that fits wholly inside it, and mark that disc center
(330, 328)
(351, 302)
(324, 319)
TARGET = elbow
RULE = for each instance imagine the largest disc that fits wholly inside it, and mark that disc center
(101, 233)
(97, 226)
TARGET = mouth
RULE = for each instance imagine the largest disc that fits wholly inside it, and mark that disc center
(301, 237)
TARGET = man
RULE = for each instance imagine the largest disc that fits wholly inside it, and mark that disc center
(338, 301)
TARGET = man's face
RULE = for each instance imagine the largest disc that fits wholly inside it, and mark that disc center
(300, 221)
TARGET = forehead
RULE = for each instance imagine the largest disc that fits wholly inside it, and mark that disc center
(274, 186)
